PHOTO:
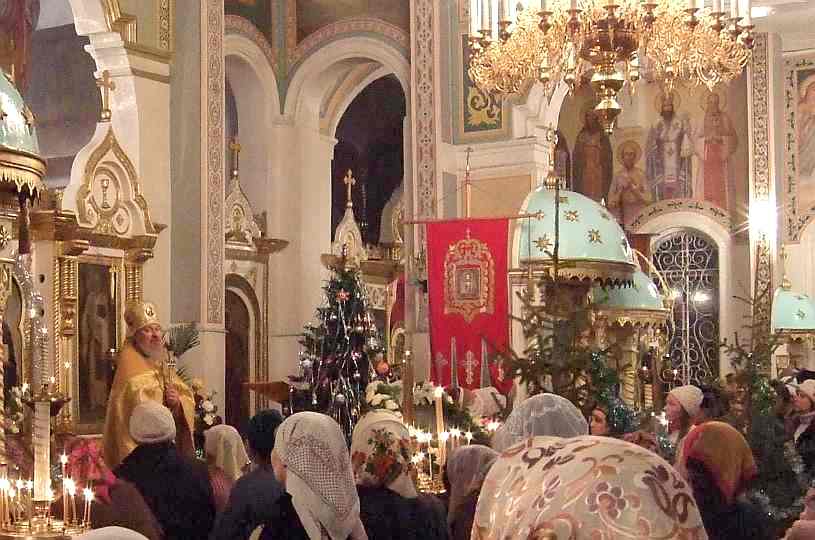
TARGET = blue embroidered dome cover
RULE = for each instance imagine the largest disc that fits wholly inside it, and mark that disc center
(592, 244)
(793, 313)
(21, 167)
(639, 304)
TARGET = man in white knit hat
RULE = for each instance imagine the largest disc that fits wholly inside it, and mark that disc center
(175, 487)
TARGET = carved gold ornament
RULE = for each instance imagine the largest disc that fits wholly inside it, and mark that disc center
(469, 279)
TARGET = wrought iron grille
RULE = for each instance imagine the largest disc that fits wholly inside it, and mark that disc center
(689, 263)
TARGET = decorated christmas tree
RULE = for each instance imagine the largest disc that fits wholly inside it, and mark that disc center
(335, 363)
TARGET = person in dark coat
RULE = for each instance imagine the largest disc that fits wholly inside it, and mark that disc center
(176, 488)
(254, 497)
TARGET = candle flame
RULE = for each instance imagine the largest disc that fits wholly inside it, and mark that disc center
(438, 392)
(63, 459)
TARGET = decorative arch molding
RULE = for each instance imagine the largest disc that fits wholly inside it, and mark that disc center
(690, 206)
(235, 25)
(306, 91)
(338, 102)
(370, 26)
(109, 199)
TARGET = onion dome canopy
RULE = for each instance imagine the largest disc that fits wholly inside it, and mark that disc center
(641, 303)
(21, 167)
(592, 244)
(793, 313)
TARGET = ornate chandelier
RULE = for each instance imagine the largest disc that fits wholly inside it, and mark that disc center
(608, 41)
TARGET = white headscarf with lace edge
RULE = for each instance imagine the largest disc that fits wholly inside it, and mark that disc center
(319, 477)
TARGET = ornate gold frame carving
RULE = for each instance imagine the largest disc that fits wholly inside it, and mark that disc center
(93, 168)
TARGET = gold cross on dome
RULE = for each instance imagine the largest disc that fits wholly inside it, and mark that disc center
(349, 182)
(107, 85)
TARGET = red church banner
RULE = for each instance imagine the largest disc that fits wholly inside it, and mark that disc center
(467, 286)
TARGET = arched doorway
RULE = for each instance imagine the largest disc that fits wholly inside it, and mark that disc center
(689, 262)
(237, 356)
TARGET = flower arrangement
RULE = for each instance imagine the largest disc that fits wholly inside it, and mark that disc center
(206, 412)
(381, 395)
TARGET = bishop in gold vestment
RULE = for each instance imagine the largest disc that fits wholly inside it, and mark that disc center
(142, 374)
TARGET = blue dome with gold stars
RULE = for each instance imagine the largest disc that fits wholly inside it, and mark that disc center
(21, 167)
(793, 313)
(592, 244)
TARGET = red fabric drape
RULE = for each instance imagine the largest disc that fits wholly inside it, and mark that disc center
(467, 286)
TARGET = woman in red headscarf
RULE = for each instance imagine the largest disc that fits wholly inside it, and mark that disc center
(116, 502)
(719, 465)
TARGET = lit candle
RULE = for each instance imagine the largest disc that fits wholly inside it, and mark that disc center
(574, 4)
(468, 436)
(11, 494)
(748, 12)
(717, 6)
(72, 494)
(86, 518)
(734, 9)
(455, 433)
(485, 17)
(443, 438)
(543, 5)
(438, 394)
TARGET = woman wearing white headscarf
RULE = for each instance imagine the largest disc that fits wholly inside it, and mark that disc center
(310, 459)
(391, 509)
(467, 467)
(584, 488)
(542, 414)
(226, 459)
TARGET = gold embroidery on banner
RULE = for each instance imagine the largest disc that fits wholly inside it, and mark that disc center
(469, 279)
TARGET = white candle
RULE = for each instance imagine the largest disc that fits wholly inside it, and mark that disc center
(717, 6)
(543, 5)
(734, 9)
(469, 437)
(748, 15)
(485, 18)
(503, 10)
(574, 4)
(41, 440)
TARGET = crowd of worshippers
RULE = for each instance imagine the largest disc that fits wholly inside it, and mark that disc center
(544, 477)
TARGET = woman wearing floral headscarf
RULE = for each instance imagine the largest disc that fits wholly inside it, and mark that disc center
(390, 508)
(719, 465)
(584, 488)
(466, 469)
(116, 502)
(542, 414)
(310, 459)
